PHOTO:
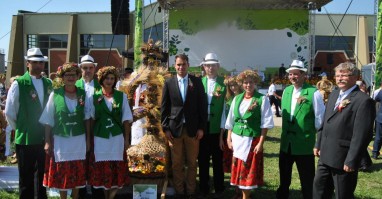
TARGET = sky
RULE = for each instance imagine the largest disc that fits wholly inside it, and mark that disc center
(11, 7)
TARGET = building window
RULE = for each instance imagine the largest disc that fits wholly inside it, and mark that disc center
(154, 32)
(100, 41)
(45, 42)
(336, 43)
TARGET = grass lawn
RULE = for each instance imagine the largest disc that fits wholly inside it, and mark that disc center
(369, 183)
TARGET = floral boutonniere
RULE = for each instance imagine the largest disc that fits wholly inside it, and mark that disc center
(301, 99)
(115, 105)
(252, 106)
(81, 101)
(218, 91)
(190, 84)
(343, 104)
(100, 98)
(33, 94)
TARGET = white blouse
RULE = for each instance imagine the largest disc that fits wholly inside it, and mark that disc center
(65, 148)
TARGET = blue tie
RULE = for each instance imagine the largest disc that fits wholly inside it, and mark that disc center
(338, 101)
(182, 90)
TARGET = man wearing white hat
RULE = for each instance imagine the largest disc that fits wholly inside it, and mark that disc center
(90, 85)
(26, 100)
(302, 113)
(211, 145)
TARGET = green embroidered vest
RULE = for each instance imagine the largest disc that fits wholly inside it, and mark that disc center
(81, 84)
(108, 122)
(300, 133)
(29, 131)
(249, 123)
(67, 123)
(217, 104)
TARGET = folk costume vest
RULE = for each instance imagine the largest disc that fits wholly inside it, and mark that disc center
(67, 123)
(300, 133)
(248, 124)
(29, 131)
(81, 84)
(108, 122)
(217, 104)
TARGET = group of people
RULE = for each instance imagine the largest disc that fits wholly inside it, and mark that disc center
(76, 132)
(71, 134)
(337, 132)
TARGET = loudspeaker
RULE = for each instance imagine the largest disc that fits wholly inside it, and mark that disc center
(329, 58)
(120, 23)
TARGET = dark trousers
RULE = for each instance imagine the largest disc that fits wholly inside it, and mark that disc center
(31, 160)
(378, 138)
(327, 179)
(209, 146)
(305, 167)
(275, 101)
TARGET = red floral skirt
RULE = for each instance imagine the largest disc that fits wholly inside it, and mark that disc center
(108, 174)
(64, 175)
(227, 158)
(249, 174)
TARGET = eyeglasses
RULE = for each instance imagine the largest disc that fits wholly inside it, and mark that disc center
(36, 62)
(344, 75)
(70, 75)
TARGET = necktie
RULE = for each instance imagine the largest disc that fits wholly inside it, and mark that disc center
(338, 101)
(182, 90)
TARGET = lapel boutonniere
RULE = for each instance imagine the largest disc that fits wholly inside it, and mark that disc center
(115, 105)
(252, 106)
(190, 84)
(343, 104)
(218, 91)
(100, 98)
(33, 94)
(301, 99)
(81, 101)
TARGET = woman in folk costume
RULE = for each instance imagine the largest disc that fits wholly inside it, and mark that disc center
(248, 121)
(65, 138)
(112, 115)
(233, 89)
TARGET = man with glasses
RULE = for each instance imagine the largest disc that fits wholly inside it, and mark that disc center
(302, 112)
(26, 100)
(342, 140)
(211, 145)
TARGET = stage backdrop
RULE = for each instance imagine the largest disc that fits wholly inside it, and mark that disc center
(243, 39)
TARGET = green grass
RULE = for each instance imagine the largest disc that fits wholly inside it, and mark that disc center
(369, 183)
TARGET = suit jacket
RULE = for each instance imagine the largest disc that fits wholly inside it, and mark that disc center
(194, 109)
(345, 134)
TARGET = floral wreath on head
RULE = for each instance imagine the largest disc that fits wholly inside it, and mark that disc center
(247, 74)
(68, 67)
(104, 71)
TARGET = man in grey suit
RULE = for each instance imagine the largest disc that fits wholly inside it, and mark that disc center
(184, 120)
(342, 140)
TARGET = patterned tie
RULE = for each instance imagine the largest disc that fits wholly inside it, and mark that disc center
(181, 87)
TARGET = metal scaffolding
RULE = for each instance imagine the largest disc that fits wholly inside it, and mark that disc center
(312, 42)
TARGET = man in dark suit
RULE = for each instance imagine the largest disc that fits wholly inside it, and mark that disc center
(184, 119)
(344, 136)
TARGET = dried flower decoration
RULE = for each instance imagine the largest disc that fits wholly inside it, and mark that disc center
(81, 101)
(218, 91)
(33, 94)
(190, 84)
(301, 99)
(343, 104)
(252, 106)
